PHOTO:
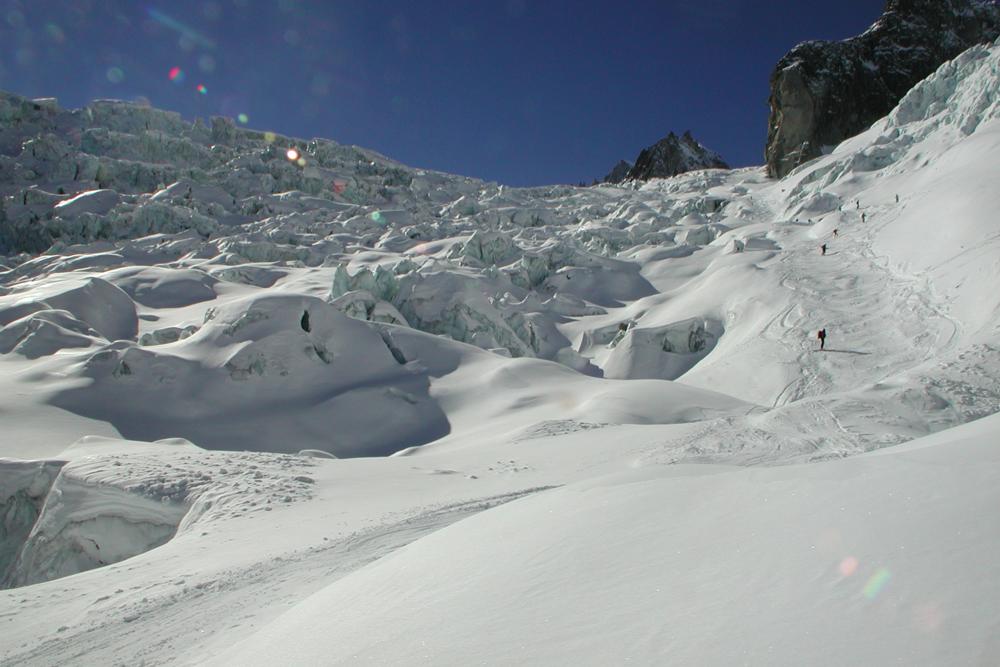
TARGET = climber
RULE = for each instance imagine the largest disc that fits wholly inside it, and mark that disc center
(822, 338)
(864, 217)
(897, 199)
(835, 232)
(822, 249)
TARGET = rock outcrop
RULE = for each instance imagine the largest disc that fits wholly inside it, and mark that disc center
(825, 92)
(618, 173)
(669, 157)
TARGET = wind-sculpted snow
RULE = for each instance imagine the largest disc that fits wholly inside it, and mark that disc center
(97, 306)
(114, 500)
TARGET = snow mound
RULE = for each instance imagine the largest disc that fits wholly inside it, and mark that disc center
(159, 287)
(45, 332)
(666, 352)
(97, 303)
(273, 372)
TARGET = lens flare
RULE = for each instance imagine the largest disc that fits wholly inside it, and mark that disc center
(202, 89)
(176, 74)
(848, 566)
(376, 216)
(292, 154)
(115, 74)
(243, 118)
(876, 583)
(301, 162)
(338, 186)
(189, 34)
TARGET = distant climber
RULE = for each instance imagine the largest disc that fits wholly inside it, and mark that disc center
(897, 199)
(864, 217)
(822, 338)
(304, 323)
(835, 232)
(822, 249)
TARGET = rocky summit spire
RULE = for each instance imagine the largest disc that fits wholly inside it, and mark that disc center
(825, 92)
(668, 157)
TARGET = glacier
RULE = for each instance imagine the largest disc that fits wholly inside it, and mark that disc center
(344, 411)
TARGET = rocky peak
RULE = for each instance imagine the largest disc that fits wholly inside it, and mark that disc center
(669, 157)
(618, 173)
(825, 92)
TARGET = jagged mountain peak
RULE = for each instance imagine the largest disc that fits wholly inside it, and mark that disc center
(670, 156)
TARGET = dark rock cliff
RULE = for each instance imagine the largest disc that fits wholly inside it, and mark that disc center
(825, 92)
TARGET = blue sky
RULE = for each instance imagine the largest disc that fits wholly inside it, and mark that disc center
(517, 91)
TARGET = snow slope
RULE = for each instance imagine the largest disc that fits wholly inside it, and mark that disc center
(871, 560)
(518, 383)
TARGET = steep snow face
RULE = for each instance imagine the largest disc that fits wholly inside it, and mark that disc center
(931, 152)
(82, 526)
(24, 486)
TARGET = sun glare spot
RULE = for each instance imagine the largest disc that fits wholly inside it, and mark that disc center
(848, 566)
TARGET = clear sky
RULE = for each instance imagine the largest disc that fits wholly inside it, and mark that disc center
(524, 92)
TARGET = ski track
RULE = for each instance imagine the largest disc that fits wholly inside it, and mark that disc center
(233, 602)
